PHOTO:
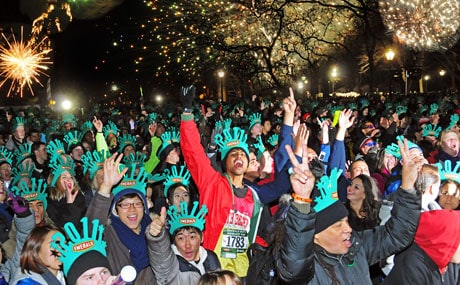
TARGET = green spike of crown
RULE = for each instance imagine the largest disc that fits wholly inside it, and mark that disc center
(69, 118)
(409, 143)
(135, 160)
(400, 109)
(61, 164)
(125, 141)
(177, 175)
(78, 244)
(255, 118)
(453, 121)
(434, 108)
(227, 123)
(22, 152)
(259, 145)
(273, 140)
(327, 186)
(72, 138)
(37, 191)
(422, 108)
(179, 219)
(6, 155)
(86, 127)
(353, 106)
(131, 181)
(152, 118)
(168, 138)
(93, 161)
(55, 148)
(110, 128)
(431, 130)
(23, 170)
(447, 173)
(18, 122)
(232, 138)
(394, 150)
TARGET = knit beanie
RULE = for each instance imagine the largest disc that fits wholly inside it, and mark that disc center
(330, 215)
(88, 260)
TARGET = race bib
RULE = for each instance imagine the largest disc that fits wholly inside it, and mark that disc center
(235, 235)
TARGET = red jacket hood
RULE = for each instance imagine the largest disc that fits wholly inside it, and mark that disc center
(438, 234)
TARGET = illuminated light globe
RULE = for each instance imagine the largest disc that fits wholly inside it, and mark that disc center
(431, 25)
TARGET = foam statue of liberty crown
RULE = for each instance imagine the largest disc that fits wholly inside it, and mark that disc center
(72, 138)
(353, 106)
(273, 140)
(110, 128)
(22, 152)
(132, 183)
(434, 108)
(135, 160)
(61, 164)
(55, 148)
(36, 191)
(78, 243)
(153, 117)
(447, 173)
(6, 155)
(176, 175)
(259, 146)
(179, 219)
(223, 124)
(410, 144)
(18, 122)
(87, 126)
(327, 186)
(93, 161)
(69, 118)
(431, 130)
(126, 140)
(23, 170)
(394, 150)
(422, 109)
(453, 121)
(255, 118)
(230, 139)
(169, 138)
(401, 109)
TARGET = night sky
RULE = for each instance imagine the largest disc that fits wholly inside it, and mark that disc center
(85, 61)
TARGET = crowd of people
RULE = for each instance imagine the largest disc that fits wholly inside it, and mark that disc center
(341, 190)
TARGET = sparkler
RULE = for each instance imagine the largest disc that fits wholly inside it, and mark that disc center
(431, 25)
(22, 63)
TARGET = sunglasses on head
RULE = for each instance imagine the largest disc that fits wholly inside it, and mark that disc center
(370, 144)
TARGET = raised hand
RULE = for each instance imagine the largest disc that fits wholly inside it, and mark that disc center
(302, 179)
(112, 175)
(97, 124)
(18, 204)
(158, 223)
(187, 94)
(411, 165)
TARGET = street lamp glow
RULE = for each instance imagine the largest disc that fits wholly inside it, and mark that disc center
(221, 73)
(390, 55)
(300, 85)
(66, 104)
(114, 87)
(442, 72)
(426, 77)
(159, 98)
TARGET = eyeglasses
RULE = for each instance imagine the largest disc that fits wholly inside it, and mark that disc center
(369, 126)
(126, 205)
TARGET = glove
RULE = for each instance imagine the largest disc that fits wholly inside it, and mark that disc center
(187, 94)
(18, 204)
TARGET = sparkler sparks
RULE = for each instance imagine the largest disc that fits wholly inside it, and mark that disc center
(423, 24)
(22, 63)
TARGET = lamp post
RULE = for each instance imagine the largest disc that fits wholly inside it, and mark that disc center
(334, 75)
(442, 72)
(221, 75)
(390, 55)
(426, 78)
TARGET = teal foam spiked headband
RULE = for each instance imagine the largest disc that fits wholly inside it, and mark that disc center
(179, 219)
(135, 160)
(131, 181)
(176, 175)
(55, 148)
(6, 156)
(431, 130)
(327, 186)
(168, 138)
(37, 191)
(453, 121)
(61, 164)
(78, 244)
(230, 139)
(93, 161)
(125, 141)
(110, 128)
(22, 152)
(86, 127)
(18, 122)
(255, 118)
(447, 173)
(22, 171)
(69, 118)
(72, 138)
